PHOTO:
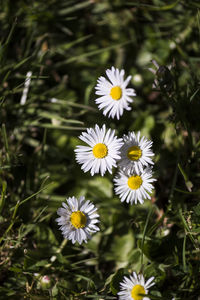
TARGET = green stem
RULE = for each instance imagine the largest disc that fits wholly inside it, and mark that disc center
(144, 233)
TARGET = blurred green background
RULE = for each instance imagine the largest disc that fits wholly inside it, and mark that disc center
(67, 45)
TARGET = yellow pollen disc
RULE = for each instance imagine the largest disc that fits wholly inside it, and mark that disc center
(134, 182)
(116, 93)
(134, 153)
(100, 150)
(78, 219)
(136, 291)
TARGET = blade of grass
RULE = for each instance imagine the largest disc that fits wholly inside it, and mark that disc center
(5, 139)
(35, 194)
(195, 4)
(12, 221)
(22, 62)
(67, 46)
(51, 126)
(188, 183)
(3, 195)
(91, 53)
(4, 46)
(183, 253)
(74, 8)
(73, 104)
(186, 192)
(192, 97)
(155, 226)
(144, 233)
(18, 204)
(198, 22)
(152, 7)
(187, 229)
(57, 117)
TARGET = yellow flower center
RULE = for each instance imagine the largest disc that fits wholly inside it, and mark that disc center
(134, 182)
(78, 219)
(134, 153)
(116, 93)
(100, 150)
(136, 291)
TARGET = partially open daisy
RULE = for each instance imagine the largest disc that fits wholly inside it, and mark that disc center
(115, 97)
(135, 186)
(102, 152)
(78, 219)
(136, 152)
(135, 287)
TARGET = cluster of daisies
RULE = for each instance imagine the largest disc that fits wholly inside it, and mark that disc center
(132, 155)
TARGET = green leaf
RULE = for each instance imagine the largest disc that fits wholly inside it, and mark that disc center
(121, 247)
(115, 281)
(102, 186)
(135, 259)
(54, 290)
(196, 209)
(15, 270)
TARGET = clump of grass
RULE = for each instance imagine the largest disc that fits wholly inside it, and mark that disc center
(67, 45)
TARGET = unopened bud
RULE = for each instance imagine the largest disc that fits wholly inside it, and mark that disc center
(45, 282)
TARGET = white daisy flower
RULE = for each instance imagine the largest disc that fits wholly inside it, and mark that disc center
(78, 219)
(136, 152)
(115, 97)
(135, 186)
(102, 152)
(135, 287)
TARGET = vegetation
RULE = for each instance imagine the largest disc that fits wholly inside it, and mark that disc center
(67, 45)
